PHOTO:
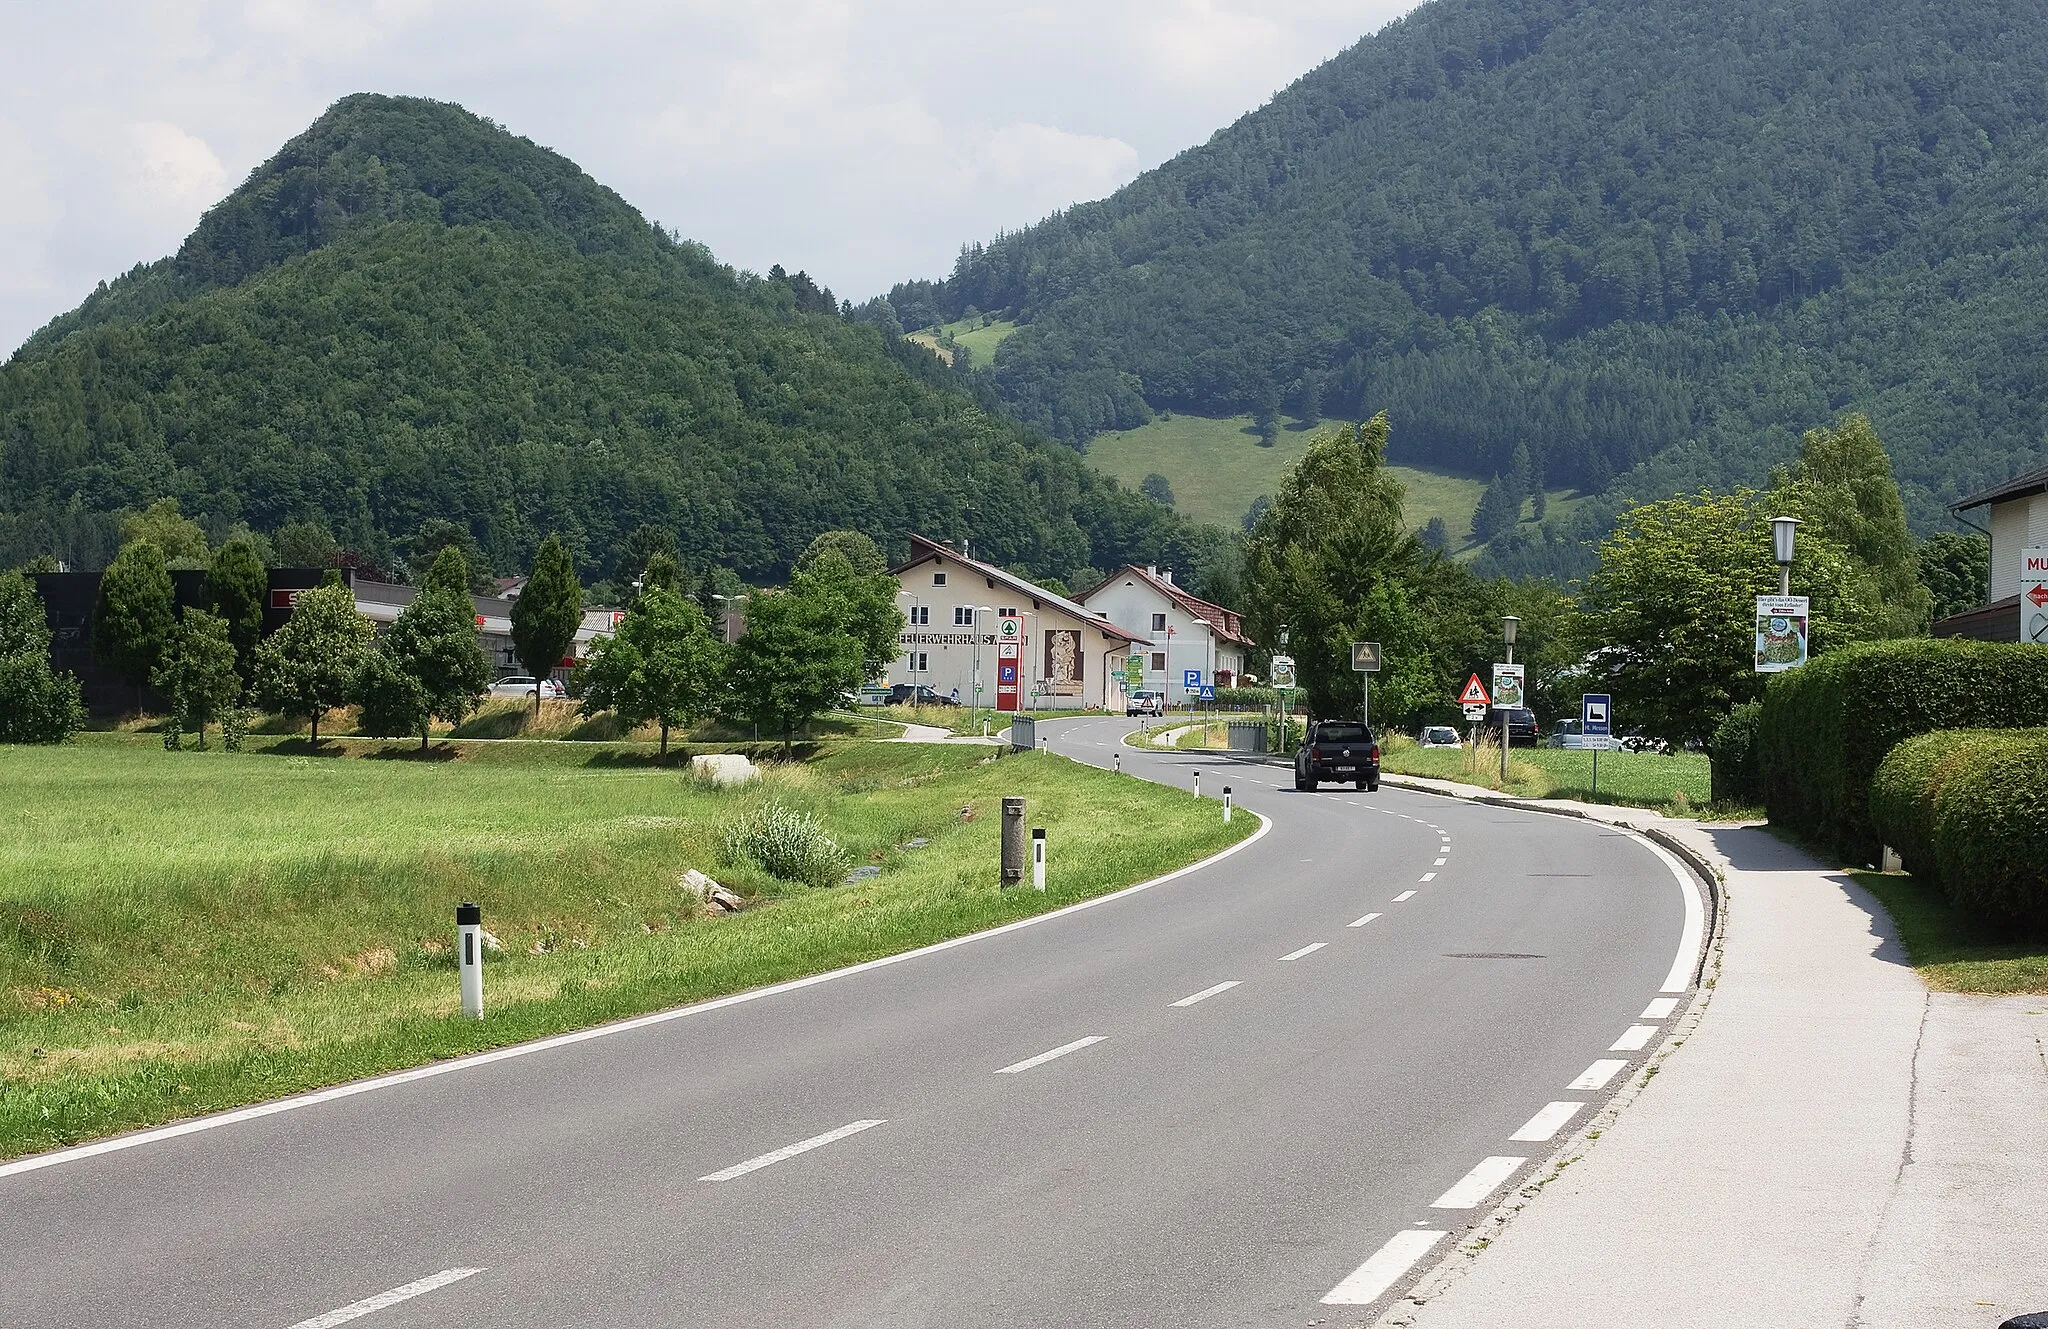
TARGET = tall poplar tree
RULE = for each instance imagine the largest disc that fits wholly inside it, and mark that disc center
(547, 613)
(135, 614)
(234, 591)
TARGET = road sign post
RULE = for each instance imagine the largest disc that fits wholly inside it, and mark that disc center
(1282, 671)
(1596, 723)
(1475, 701)
(1365, 659)
(1507, 697)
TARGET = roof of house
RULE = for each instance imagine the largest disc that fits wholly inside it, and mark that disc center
(1997, 621)
(1228, 623)
(922, 549)
(2020, 486)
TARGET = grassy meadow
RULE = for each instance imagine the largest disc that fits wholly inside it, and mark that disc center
(1679, 784)
(186, 932)
(1216, 468)
(979, 340)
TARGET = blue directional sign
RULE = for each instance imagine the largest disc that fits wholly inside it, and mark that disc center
(1191, 679)
(1596, 715)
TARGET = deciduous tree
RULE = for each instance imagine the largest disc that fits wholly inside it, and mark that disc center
(794, 662)
(198, 674)
(429, 663)
(162, 524)
(135, 614)
(37, 704)
(661, 665)
(312, 663)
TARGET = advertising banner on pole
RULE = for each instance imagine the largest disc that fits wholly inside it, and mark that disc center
(2034, 596)
(1507, 687)
(1781, 627)
(1283, 671)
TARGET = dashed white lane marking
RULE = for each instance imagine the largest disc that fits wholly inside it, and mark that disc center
(788, 1151)
(1439, 863)
(1404, 895)
(1429, 876)
(1207, 993)
(1633, 1041)
(1480, 1182)
(1309, 949)
(1361, 922)
(1597, 1075)
(1659, 1009)
(1547, 1122)
(1060, 1051)
(356, 1310)
(1369, 1281)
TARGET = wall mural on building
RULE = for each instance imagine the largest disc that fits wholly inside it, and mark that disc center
(1063, 662)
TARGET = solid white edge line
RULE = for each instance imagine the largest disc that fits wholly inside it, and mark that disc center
(788, 1151)
(1309, 949)
(1688, 957)
(1483, 1180)
(1598, 1074)
(1660, 1009)
(1547, 1123)
(1361, 922)
(1017, 1067)
(1370, 1281)
(1207, 993)
(1404, 895)
(236, 1116)
(1635, 1040)
(357, 1309)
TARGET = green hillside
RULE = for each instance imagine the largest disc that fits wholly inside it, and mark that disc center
(1216, 468)
(409, 313)
(1652, 241)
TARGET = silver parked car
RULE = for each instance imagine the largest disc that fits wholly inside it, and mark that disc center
(522, 688)
(1440, 736)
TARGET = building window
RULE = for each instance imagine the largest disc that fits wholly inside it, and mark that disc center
(1007, 612)
(1159, 622)
(920, 616)
(938, 579)
(1159, 662)
(920, 662)
(963, 616)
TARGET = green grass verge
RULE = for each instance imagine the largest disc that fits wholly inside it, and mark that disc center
(961, 719)
(1679, 784)
(1216, 468)
(1951, 951)
(183, 933)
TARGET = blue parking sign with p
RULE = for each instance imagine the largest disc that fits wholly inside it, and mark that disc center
(1191, 679)
(1596, 715)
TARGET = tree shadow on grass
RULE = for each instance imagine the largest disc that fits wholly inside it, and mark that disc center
(301, 747)
(438, 752)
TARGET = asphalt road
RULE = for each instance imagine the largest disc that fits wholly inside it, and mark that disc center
(1226, 1161)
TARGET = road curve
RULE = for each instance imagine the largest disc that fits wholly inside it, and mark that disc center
(1216, 1102)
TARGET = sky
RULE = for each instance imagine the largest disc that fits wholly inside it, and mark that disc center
(861, 142)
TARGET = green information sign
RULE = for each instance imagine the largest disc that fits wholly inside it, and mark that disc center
(1134, 671)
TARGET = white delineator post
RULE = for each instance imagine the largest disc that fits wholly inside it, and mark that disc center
(1038, 858)
(1116, 763)
(1198, 784)
(1226, 802)
(469, 957)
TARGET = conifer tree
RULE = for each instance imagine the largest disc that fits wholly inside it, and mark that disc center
(135, 614)
(547, 613)
(234, 590)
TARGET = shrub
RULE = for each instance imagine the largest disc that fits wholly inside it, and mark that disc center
(1826, 726)
(37, 705)
(786, 843)
(1736, 778)
(1991, 833)
(1907, 787)
(1246, 699)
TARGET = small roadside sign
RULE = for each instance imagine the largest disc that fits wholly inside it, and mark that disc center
(1283, 671)
(1365, 657)
(2034, 596)
(1010, 628)
(1781, 626)
(1191, 679)
(1208, 692)
(1507, 687)
(1596, 715)
(1474, 693)
(1475, 712)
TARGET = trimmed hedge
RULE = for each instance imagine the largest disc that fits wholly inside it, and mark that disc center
(1907, 789)
(1827, 726)
(1736, 775)
(1991, 835)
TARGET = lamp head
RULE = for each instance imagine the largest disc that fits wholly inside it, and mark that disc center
(1508, 624)
(1783, 529)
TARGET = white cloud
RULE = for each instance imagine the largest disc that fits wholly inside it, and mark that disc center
(863, 141)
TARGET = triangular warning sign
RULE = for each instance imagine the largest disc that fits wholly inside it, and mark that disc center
(1474, 693)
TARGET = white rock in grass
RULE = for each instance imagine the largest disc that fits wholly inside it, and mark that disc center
(724, 768)
(696, 885)
(723, 899)
(490, 942)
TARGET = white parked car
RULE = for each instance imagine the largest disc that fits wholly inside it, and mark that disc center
(522, 689)
(1440, 736)
(1145, 703)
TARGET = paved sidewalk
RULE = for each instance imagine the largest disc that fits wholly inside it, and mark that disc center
(1827, 1144)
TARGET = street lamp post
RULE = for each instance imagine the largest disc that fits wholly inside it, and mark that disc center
(1283, 694)
(1508, 624)
(1783, 531)
(910, 662)
(725, 613)
(974, 632)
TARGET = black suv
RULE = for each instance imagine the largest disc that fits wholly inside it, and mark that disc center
(1523, 730)
(1337, 750)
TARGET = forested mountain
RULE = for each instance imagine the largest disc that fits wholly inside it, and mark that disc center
(409, 313)
(1653, 240)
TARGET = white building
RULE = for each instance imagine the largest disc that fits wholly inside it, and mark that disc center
(1187, 640)
(2019, 520)
(1058, 655)
(382, 602)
